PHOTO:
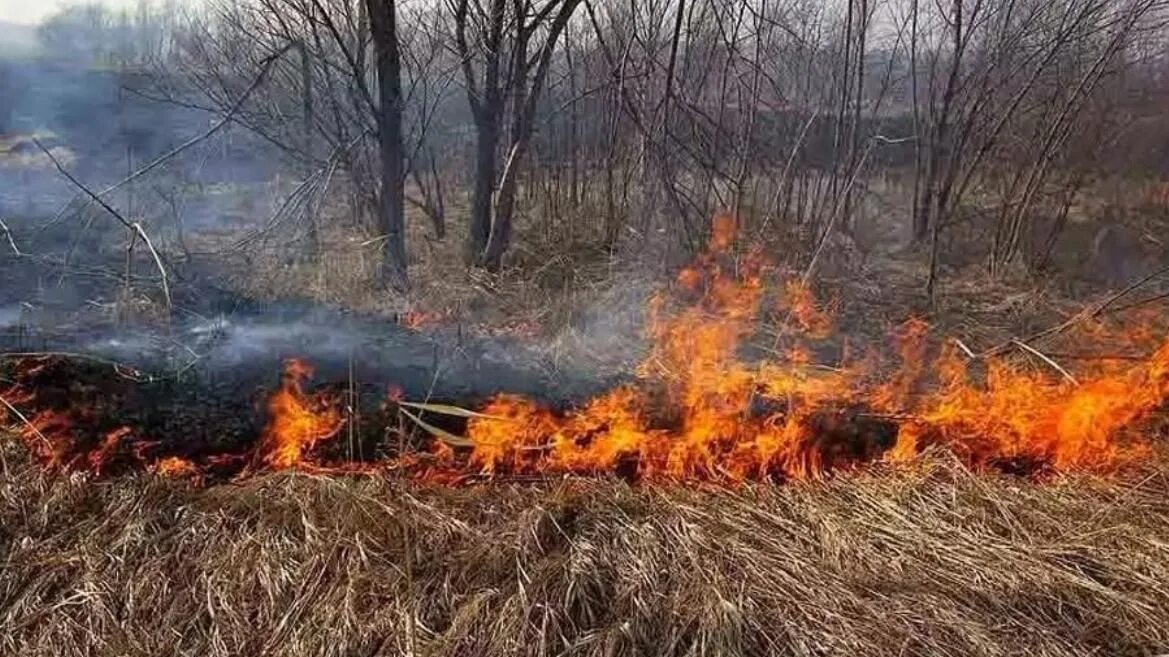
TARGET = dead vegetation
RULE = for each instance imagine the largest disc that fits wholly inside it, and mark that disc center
(928, 561)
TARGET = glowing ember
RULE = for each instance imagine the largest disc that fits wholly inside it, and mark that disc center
(174, 466)
(49, 437)
(418, 319)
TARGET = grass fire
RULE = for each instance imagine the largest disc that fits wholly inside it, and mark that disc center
(584, 328)
(698, 410)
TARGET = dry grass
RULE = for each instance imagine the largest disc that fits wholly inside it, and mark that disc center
(547, 276)
(934, 561)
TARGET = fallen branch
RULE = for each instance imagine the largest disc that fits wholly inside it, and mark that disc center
(134, 228)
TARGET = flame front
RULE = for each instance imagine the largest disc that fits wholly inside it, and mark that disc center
(700, 409)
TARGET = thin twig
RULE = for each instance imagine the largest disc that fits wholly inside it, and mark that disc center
(297, 196)
(8, 235)
(304, 189)
(1105, 356)
(839, 202)
(20, 416)
(787, 169)
(1137, 304)
(265, 66)
(1040, 355)
(965, 349)
(158, 262)
(77, 183)
(1110, 300)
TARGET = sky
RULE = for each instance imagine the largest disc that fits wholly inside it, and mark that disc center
(31, 12)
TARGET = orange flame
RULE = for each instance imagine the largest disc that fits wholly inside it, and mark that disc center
(63, 439)
(296, 421)
(701, 411)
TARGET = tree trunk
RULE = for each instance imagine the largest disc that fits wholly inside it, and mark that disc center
(307, 127)
(500, 237)
(392, 210)
(486, 147)
(503, 80)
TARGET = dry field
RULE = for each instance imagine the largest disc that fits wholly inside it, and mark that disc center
(929, 560)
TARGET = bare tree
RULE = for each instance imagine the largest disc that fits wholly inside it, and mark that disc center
(511, 44)
(641, 119)
(392, 210)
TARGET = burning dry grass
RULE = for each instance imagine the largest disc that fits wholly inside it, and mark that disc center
(699, 410)
(900, 557)
(926, 561)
